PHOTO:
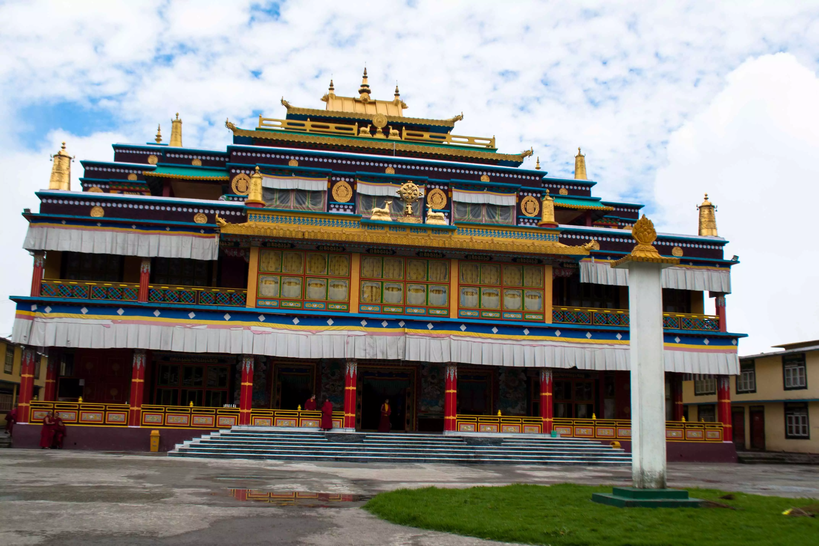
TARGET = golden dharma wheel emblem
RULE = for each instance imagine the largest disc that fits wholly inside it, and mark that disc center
(677, 251)
(437, 198)
(200, 218)
(196, 162)
(342, 192)
(389, 170)
(97, 212)
(153, 160)
(293, 163)
(132, 176)
(241, 184)
(484, 178)
(380, 120)
(530, 206)
(563, 191)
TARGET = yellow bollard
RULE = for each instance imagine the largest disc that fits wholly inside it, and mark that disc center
(154, 441)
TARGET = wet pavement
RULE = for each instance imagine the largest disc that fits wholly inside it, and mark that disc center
(72, 497)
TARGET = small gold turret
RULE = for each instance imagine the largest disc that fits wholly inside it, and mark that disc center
(547, 218)
(397, 95)
(176, 132)
(537, 164)
(364, 90)
(708, 218)
(332, 89)
(61, 170)
(158, 134)
(254, 196)
(580, 166)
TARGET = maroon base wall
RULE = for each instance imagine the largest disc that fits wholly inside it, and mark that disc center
(695, 452)
(107, 438)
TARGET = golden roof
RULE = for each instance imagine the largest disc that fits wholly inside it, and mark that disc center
(364, 104)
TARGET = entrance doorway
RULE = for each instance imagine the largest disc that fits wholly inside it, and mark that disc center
(394, 384)
(758, 428)
(295, 384)
(738, 427)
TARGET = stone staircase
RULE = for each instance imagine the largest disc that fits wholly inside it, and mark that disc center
(5, 440)
(255, 443)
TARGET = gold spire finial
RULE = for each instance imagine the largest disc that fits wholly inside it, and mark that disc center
(580, 166)
(332, 88)
(61, 170)
(397, 92)
(254, 196)
(176, 132)
(547, 218)
(708, 218)
(158, 134)
(644, 251)
(364, 90)
(537, 164)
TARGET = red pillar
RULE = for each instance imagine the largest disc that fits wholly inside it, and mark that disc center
(451, 398)
(350, 399)
(26, 385)
(677, 395)
(52, 372)
(546, 401)
(719, 303)
(137, 388)
(246, 391)
(724, 406)
(37, 274)
(144, 279)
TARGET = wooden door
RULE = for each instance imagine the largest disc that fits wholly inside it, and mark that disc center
(757, 428)
(738, 426)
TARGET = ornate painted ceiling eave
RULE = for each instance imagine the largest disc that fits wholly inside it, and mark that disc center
(380, 144)
(368, 117)
(401, 234)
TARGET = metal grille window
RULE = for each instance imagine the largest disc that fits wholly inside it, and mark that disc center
(706, 384)
(746, 382)
(8, 366)
(796, 421)
(796, 376)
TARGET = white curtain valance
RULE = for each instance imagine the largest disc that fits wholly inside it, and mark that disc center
(680, 277)
(276, 342)
(294, 183)
(370, 188)
(122, 243)
(484, 197)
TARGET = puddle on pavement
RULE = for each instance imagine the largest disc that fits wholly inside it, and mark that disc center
(297, 498)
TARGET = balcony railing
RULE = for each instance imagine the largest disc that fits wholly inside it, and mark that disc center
(89, 290)
(116, 415)
(619, 317)
(262, 417)
(197, 295)
(600, 429)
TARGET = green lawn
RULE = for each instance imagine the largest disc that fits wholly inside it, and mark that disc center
(564, 515)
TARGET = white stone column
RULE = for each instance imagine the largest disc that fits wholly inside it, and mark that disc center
(648, 457)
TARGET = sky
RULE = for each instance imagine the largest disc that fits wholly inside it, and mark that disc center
(668, 100)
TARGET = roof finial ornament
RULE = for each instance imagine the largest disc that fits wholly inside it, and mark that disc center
(580, 166)
(537, 164)
(364, 90)
(708, 218)
(547, 217)
(61, 170)
(158, 134)
(176, 132)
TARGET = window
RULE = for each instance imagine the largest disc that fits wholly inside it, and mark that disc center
(181, 272)
(707, 413)
(493, 290)
(746, 382)
(570, 292)
(676, 301)
(483, 213)
(793, 368)
(8, 365)
(706, 384)
(390, 283)
(308, 280)
(796, 421)
(366, 204)
(92, 267)
(292, 199)
(204, 385)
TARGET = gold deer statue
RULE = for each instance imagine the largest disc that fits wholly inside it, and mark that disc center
(382, 214)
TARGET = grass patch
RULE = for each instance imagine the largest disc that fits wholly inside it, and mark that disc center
(564, 515)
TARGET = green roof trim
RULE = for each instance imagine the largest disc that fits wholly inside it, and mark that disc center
(189, 173)
(579, 204)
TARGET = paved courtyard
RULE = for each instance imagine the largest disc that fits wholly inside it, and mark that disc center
(71, 497)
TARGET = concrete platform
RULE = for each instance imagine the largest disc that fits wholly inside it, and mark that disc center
(629, 497)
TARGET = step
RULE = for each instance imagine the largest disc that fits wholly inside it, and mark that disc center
(428, 460)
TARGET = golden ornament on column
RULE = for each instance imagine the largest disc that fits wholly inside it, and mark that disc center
(342, 192)
(240, 184)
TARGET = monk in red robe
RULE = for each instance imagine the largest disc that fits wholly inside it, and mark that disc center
(11, 419)
(47, 433)
(59, 432)
(326, 415)
(384, 425)
(310, 405)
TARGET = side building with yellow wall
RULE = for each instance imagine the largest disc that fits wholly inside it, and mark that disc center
(11, 355)
(774, 400)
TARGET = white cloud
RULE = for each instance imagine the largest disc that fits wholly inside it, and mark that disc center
(754, 150)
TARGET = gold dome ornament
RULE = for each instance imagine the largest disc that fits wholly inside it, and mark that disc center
(293, 163)
(484, 178)
(97, 212)
(196, 162)
(342, 192)
(389, 170)
(152, 159)
(240, 184)
(132, 177)
(677, 251)
(200, 218)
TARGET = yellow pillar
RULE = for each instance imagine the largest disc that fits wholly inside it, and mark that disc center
(355, 281)
(548, 279)
(252, 276)
(453, 288)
